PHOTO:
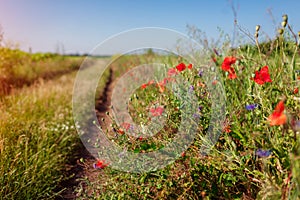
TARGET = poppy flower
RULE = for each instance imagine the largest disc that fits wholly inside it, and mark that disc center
(214, 59)
(190, 66)
(227, 129)
(263, 153)
(214, 82)
(126, 126)
(144, 85)
(172, 72)
(228, 61)
(296, 90)
(100, 164)
(262, 76)
(121, 131)
(156, 111)
(232, 74)
(180, 67)
(151, 82)
(161, 86)
(278, 117)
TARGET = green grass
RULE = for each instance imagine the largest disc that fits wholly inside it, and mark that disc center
(38, 136)
(232, 170)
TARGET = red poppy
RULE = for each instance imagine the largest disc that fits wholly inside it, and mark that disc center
(227, 129)
(296, 90)
(278, 117)
(214, 82)
(126, 126)
(151, 82)
(180, 67)
(144, 85)
(262, 76)
(157, 111)
(228, 61)
(214, 59)
(161, 86)
(100, 164)
(232, 74)
(121, 131)
(172, 72)
(190, 66)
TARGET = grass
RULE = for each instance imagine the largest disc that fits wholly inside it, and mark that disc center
(38, 135)
(233, 169)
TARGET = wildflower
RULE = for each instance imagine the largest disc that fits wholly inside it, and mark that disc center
(121, 131)
(296, 90)
(200, 73)
(262, 76)
(196, 115)
(200, 108)
(157, 111)
(190, 66)
(251, 106)
(161, 86)
(263, 153)
(232, 74)
(172, 72)
(227, 129)
(278, 117)
(228, 61)
(150, 82)
(200, 84)
(144, 85)
(180, 67)
(100, 164)
(214, 59)
(216, 52)
(126, 126)
(191, 88)
(214, 82)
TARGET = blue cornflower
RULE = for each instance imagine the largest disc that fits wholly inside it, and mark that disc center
(191, 88)
(263, 153)
(251, 106)
(200, 108)
(200, 73)
(196, 115)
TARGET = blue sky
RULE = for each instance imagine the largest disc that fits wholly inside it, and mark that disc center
(78, 26)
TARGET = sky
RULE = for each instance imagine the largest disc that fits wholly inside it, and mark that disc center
(73, 26)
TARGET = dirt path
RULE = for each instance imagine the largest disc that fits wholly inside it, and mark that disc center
(83, 172)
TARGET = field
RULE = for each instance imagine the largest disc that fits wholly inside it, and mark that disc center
(255, 154)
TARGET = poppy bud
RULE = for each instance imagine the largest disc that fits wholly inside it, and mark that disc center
(256, 35)
(283, 24)
(257, 28)
(285, 18)
(280, 31)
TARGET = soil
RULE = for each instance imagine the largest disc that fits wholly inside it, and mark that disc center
(83, 172)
